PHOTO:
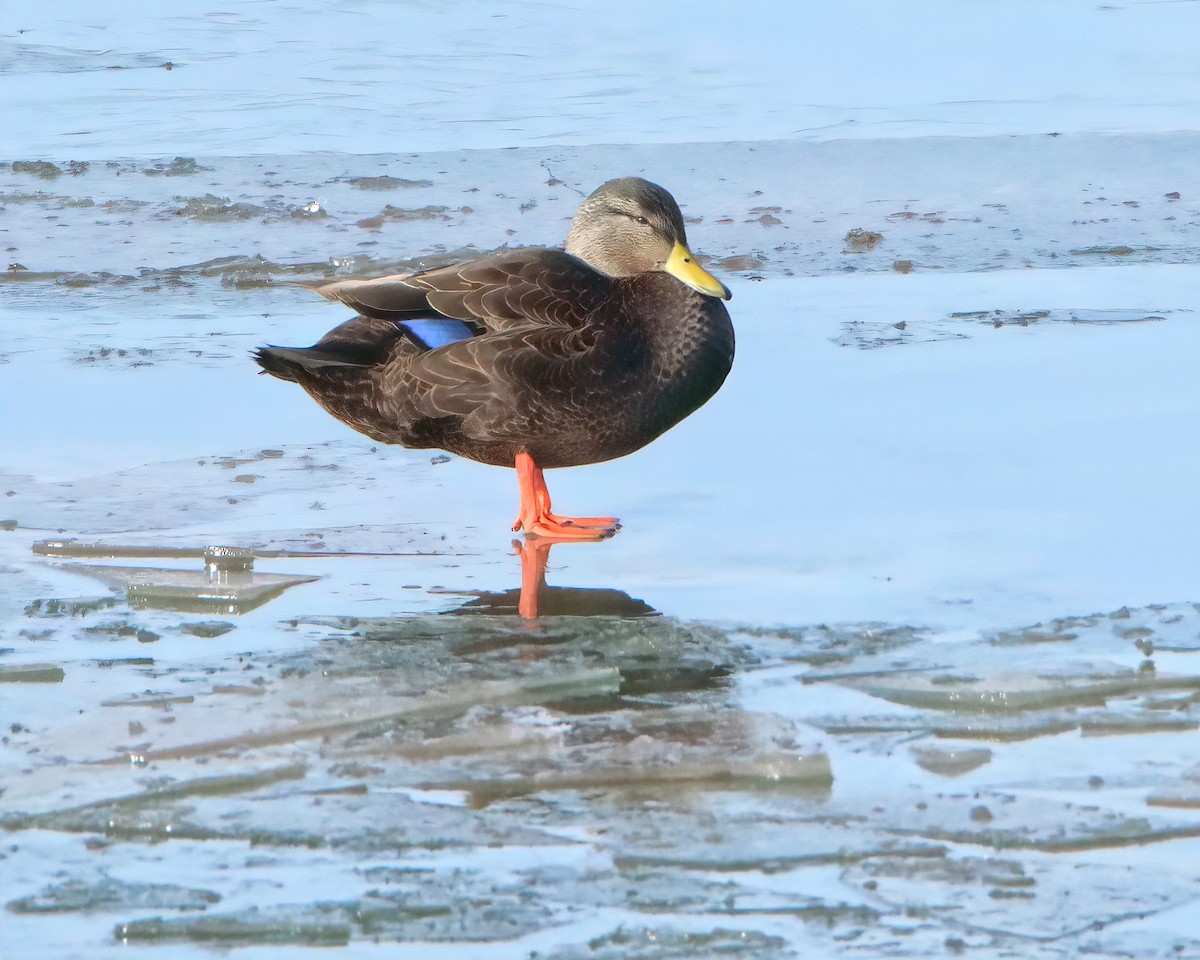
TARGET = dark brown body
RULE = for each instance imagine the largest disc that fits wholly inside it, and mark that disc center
(567, 364)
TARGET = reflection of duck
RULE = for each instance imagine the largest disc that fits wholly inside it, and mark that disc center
(654, 655)
(534, 598)
(532, 358)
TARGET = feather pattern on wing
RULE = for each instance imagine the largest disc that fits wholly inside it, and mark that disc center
(519, 287)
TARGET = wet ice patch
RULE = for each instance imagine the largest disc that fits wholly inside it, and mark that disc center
(1056, 899)
(789, 213)
(105, 893)
(202, 489)
(688, 814)
(665, 943)
(36, 58)
(869, 335)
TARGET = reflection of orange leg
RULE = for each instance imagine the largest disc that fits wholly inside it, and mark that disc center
(534, 554)
(536, 519)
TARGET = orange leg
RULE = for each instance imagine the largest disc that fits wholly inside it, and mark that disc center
(536, 519)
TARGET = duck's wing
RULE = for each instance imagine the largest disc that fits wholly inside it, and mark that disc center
(530, 320)
(494, 294)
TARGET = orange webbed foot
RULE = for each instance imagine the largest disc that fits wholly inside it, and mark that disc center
(568, 528)
(555, 527)
(611, 524)
(537, 520)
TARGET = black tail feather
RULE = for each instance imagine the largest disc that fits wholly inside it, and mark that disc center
(274, 360)
(288, 363)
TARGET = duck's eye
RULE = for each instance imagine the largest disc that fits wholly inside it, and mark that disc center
(642, 220)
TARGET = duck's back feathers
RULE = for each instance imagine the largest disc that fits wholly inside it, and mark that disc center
(517, 288)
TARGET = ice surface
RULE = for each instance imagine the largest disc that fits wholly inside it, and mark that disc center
(938, 203)
(202, 591)
(895, 655)
(105, 894)
(1056, 899)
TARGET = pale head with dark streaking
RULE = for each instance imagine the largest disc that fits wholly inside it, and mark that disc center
(630, 226)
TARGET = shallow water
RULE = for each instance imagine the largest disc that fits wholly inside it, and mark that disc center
(365, 77)
(896, 652)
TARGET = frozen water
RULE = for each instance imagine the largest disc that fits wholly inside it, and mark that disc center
(895, 655)
(361, 77)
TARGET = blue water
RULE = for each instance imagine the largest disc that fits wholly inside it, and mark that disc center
(364, 76)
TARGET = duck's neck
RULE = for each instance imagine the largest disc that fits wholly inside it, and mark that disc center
(600, 254)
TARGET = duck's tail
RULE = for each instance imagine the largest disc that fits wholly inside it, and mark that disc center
(352, 349)
(298, 363)
(279, 362)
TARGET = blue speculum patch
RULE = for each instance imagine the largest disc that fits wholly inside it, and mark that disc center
(434, 333)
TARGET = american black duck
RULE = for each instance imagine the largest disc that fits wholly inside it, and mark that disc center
(532, 358)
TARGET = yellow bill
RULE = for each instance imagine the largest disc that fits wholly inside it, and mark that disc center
(683, 267)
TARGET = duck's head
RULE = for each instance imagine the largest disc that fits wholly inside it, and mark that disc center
(633, 226)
